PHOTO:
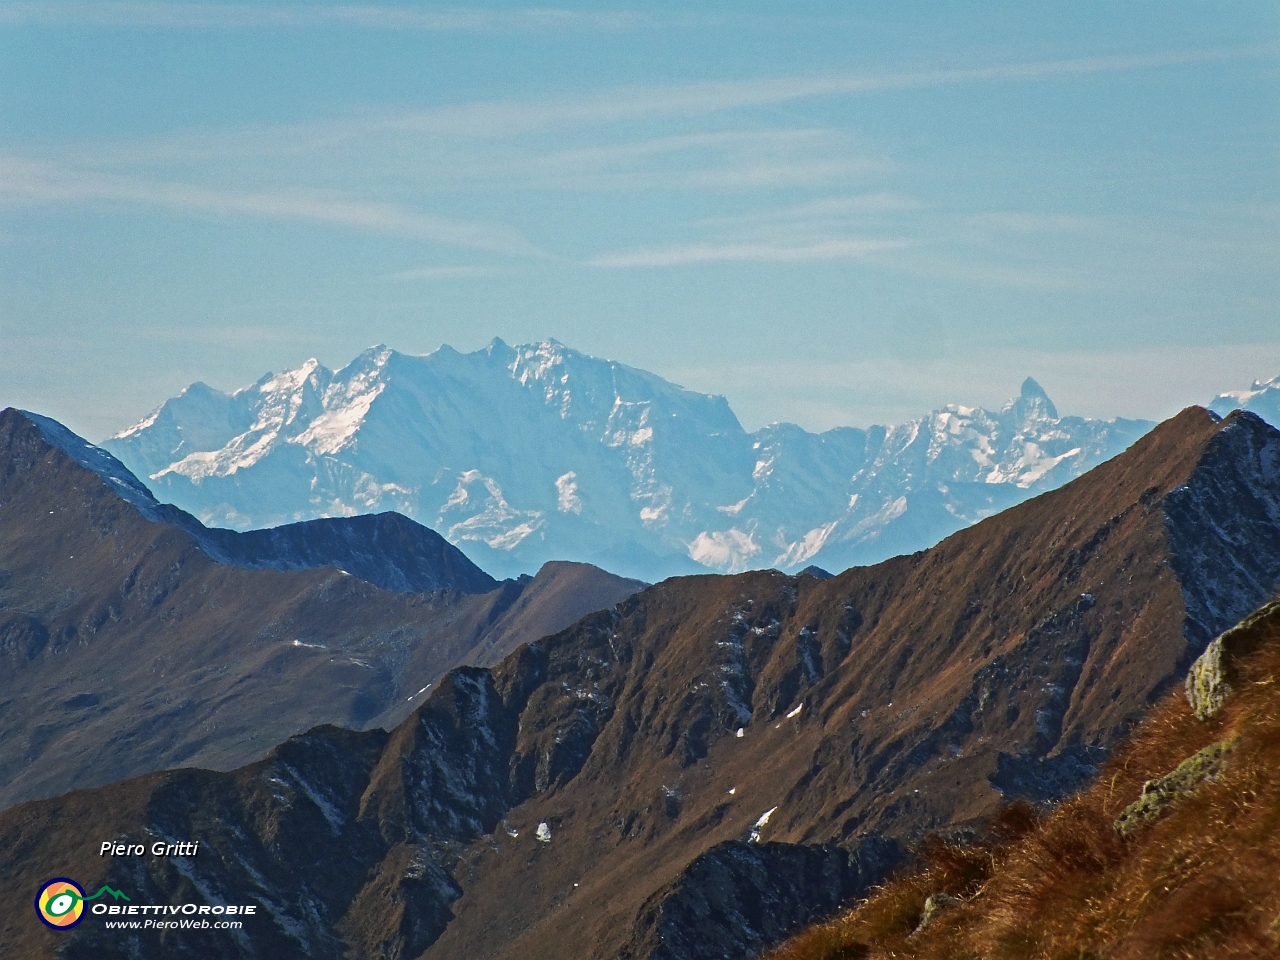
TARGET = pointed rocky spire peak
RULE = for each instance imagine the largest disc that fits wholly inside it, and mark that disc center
(1033, 402)
(1032, 390)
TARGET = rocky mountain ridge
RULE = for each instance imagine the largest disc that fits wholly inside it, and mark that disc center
(525, 454)
(387, 549)
(133, 638)
(712, 747)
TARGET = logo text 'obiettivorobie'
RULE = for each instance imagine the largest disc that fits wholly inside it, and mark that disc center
(60, 904)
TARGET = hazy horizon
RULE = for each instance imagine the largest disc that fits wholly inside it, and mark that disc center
(829, 217)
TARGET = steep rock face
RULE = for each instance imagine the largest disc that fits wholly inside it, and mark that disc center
(128, 644)
(521, 455)
(1221, 527)
(610, 787)
(739, 898)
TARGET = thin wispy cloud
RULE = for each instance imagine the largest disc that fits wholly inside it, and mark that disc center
(447, 273)
(995, 272)
(823, 210)
(717, 140)
(718, 96)
(703, 160)
(731, 174)
(1012, 221)
(239, 16)
(23, 183)
(513, 118)
(675, 256)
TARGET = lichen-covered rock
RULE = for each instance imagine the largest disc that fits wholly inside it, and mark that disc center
(1162, 793)
(934, 905)
(1210, 679)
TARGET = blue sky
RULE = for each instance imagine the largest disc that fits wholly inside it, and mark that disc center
(830, 215)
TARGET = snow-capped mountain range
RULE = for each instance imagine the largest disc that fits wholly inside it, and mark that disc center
(520, 455)
(1262, 398)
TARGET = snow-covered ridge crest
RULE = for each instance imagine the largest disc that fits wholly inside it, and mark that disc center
(1262, 398)
(521, 454)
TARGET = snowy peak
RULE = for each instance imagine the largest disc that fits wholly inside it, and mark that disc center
(536, 452)
(1032, 403)
(1262, 398)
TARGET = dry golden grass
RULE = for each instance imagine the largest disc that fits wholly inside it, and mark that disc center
(1202, 882)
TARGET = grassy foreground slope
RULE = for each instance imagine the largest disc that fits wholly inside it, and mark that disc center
(1193, 875)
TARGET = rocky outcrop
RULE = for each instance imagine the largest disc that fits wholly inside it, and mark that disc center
(934, 904)
(1160, 794)
(1210, 679)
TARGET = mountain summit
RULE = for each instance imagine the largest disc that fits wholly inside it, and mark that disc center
(1033, 403)
(520, 455)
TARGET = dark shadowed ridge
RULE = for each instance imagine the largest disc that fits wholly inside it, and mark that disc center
(717, 760)
(386, 549)
(127, 646)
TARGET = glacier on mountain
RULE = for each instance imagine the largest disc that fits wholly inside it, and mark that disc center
(524, 454)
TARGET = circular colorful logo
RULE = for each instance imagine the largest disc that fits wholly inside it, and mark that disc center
(60, 903)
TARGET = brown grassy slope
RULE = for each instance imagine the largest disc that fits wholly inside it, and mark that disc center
(1200, 882)
(888, 699)
(124, 648)
(922, 681)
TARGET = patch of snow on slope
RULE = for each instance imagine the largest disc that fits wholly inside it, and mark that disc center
(807, 546)
(567, 499)
(760, 825)
(497, 524)
(334, 429)
(728, 550)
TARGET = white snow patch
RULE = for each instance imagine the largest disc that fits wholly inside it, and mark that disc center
(806, 546)
(332, 430)
(544, 833)
(728, 550)
(336, 819)
(567, 497)
(734, 509)
(760, 824)
(795, 712)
